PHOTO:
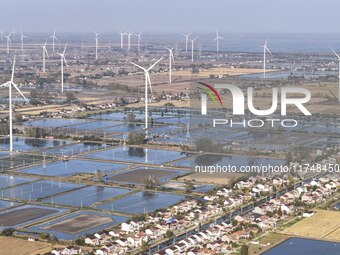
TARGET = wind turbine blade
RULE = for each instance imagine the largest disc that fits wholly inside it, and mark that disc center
(149, 81)
(16, 87)
(65, 49)
(268, 50)
(5, 84)
(336, 54)
(138, 66)
(64, 60)
(12, 76)
(154, 64)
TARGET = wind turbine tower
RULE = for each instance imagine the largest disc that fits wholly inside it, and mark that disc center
(122, 39)
(45, 53)
(97, 40)
(22, 36)
(9, 84)
(186, 41)
(138, 40)
(54, 38)
(265, 50)
(147, 82)
(337, 55)
(217, 39)
(129, 41)
(171, 59)
(192, 49)
(8, 41)
(62, 60)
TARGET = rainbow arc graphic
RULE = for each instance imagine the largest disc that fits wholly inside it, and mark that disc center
(210, 91)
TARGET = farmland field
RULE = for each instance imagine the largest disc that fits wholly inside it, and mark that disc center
(16, 246)
(323, 225)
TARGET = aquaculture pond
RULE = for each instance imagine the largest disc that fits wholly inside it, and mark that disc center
(137, 155)
(78, 224)
(26, 214)
(37, 190)
(54, 123)
(96, 125)
(137, 175)
(86, 196)
(222, 160)
(12, 180)
(301, 246)
(6, 204)
(144, 201)
(30, 144)
(72, 167)
(74, 149)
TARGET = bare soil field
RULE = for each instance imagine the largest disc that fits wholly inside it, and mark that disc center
(323, 225)
(215, 178)
(219, 71)
(138, 176)
(16, 246)
(79, 223)
(15, 217)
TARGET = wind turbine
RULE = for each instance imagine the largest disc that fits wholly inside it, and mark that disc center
(171, 58)
(62, 59)
(44, 53)
(217, 39)
(122, 39)
(8, 41)
(186, 41)
(97, 38)
(9, 84)
(192, 48)
(336, 54)
(265, 49)
(138, 40)
(129, 40)
(147, 81)
(22, 41)
(53, 39)
(14, 33)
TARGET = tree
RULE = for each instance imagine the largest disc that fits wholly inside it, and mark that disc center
(136, 138)
(169, 234)
(99, 175)
(131, 117)
(4, 129)
(8, 232)
(150, 182)
(244, 250)
(70, 97)
(189, 186)
(80, 241)
(169, 104)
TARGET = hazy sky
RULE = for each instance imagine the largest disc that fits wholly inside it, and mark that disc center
(171, 15)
